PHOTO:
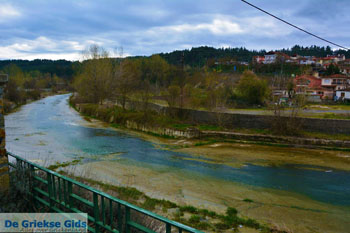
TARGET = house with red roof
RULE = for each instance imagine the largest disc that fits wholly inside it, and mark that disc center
(330, 59)
(259, 59)
(310, 86)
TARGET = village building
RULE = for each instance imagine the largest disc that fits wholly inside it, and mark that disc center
(344, 67)
(258, 59)
(307, 60)
(273, 57)
(310, 86)
(330, 59)
(342, 95)
(333, 83)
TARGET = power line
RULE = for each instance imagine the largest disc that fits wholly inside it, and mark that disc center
(290, 24)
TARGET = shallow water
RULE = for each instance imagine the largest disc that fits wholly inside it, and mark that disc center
(297, 195)
(49, 130)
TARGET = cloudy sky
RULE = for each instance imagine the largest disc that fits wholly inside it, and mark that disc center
(61, 29)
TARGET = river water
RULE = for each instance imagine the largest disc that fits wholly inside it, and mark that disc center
(49, 131)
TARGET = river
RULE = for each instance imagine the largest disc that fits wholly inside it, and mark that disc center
(49, 131)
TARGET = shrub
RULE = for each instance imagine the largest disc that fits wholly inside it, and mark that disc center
(231, 211)
(189, 208)
(194, 219)
(251, 89)
(248, 200)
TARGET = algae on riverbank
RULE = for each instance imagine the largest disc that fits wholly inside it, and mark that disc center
(281, 209)
(202, 219)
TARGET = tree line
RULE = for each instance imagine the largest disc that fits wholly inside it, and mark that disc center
(198, 57)
(62, 68)
(146, 79)
(195, 58)
(24, 85)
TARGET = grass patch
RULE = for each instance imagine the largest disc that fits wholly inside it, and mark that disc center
(194, 219)
(54, 167)
(344, 137)
(189, 208)
(330, 115)
(210, 128)
(248, 200)
(180, 126)
(149, 204)
(208, 142)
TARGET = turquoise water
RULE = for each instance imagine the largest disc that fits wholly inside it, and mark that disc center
(49, 130)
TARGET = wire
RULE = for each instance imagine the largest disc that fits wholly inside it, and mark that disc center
(290, 24)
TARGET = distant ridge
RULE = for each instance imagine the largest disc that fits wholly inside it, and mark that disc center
(195, 57)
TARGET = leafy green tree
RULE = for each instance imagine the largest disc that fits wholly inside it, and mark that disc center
(173, 95)
(252, 89)
(156, 70)
(332, 69)
(13, 91)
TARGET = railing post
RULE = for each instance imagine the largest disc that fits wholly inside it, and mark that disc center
(96, 212)
(168, 228)
(49, 188)
(120, 225)
(4, 168)
(70, 192)
(32, 182)
(127, 219)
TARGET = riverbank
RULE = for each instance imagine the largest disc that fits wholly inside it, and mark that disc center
(200, 218)
(295, 198)
(284, 210)
(318, 154)
(10, 107)
(280, 210)
(172, 127)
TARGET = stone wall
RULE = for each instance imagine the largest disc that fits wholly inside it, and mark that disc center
(4, 175)
(248, 121)
(189, 133)
(306, 142)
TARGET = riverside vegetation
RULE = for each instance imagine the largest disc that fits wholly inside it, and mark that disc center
(26, 86)
(101, 82)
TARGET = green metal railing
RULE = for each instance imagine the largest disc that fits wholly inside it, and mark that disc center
(105, 212)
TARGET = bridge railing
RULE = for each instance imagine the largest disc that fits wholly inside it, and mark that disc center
(105, 212)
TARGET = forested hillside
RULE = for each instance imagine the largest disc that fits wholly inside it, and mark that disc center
(197, 57)
(62, 68)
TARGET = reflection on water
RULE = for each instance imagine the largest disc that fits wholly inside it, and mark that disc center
(49, 131)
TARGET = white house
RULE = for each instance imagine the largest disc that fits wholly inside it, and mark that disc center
(270, 57)
(343, 94)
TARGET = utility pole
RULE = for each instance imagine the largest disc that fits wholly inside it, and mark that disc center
(182, 84)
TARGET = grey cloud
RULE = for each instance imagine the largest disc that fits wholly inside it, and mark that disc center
(144, 27)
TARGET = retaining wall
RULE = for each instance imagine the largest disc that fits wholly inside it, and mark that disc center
(248, 121)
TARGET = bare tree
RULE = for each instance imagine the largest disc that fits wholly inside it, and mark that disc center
(127, 76)
(95, 82)
(288, 121)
